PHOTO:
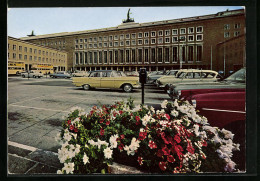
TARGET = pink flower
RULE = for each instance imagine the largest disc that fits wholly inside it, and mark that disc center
(166, 151)
(170, 159)
(107, 123)
(167, 116)
(71, 127)
(162, 165)
(152, 144)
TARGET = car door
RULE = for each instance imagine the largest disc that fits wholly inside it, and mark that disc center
(107, 80)
(94, 79)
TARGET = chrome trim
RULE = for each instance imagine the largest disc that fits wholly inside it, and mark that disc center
(220, 110)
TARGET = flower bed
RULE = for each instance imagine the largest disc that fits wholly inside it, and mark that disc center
(174, 139)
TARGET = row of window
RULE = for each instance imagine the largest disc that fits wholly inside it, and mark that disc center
(190, 30)
(63, 42)
(25, 57)
(35, 51)
(236, 26)
(227, 34)
(175, 39)
(154, 55)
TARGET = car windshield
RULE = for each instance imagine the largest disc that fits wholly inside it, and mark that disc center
(181, 74)
(171, 73)
(239, 76)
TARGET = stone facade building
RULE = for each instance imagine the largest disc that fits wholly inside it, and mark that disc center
(192, 42)
(32, 54)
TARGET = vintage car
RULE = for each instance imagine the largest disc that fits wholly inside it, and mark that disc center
(151, 78)
(61, 74)
(234, 81)
(31, 74)
(107, 79)
(187, 75)
(79, 74)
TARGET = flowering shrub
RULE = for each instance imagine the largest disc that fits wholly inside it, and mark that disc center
(174, 139)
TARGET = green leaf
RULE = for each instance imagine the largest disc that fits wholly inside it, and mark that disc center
(103, 171)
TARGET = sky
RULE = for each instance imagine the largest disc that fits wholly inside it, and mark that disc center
(21, 21)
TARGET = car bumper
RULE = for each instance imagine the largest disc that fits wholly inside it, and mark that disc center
(137, 86)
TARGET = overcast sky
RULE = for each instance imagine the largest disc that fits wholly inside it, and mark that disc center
(21, 21)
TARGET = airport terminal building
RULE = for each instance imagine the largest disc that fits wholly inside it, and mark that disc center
(215, 41)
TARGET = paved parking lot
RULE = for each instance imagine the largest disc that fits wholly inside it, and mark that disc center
(36, 108)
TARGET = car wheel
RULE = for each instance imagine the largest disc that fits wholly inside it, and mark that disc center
(34, 76)
(23, 76)
(127, 88)
(51, 76)
(86, 87)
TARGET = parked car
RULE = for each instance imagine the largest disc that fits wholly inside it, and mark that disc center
(187, 75)
(107, 79)
(133, 73)
(61, 74)
(235, 81)
(31, 74)
(79, 74)
(152, 77)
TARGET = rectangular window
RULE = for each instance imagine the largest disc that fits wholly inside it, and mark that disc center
(127, 56)
(100, 38)
(95, 57)
(121, 37)
(110, 38)
(116, 56)
(121, 43)
(146, 55)
(100, 57)
(105, 57)
(110, 44)
(146, 34)
(190, 30)
(110, 57)
(30, 58)
(140, 55)
(167, 32)
(105, 38)
(133, 56)
(175, 32)
(35, 58)
(174, 54)
(183, 52)
(190, 54)
(183, 31)
(95, 39)
(226, 26)
(39, 58)
(167, 55)
(174, 39)
(127, 36)
(25, 49)
(127, 43)
(116, 44)
(80, 46)
(236, 33)
(100, 45)
(76, 41)
(133, 42)
(121, 56)
(146, 41)
(20, 56)
(140, 42)
(85, 58)
(226, 35)
(160, 40)
(133, 36)
(81, 58)
(25, 57)
(237, 25)
(153, 56)
(160, 33)
(80, 40)
(105, 44)
(85, 40)
(30, 50)
(153, 34)
(86, 46)
(199, 29)
(95, 45)
(190, 38)
(14, 47)
(153, 41)
(90, 46)
(90, 57)
(140, 35)
(35, 51)
(160, 55)
(20, 48)
(116, 37)
(167, 40)
(199, 53)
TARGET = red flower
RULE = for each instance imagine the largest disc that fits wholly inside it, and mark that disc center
(170, 140)
(177, 138)
(102, 131)
(204, 143)
(101, 120)
(152, 144)
(137, 118)
(120, 112)
(190, 148)
(166, 151)
(159, 153)
(167, 116)
(107, 123)
(122, 136)
(178, 149)
(71, 127)
(75, 130)
(121, 146)
(162, 165)
(142, 135)
(140, 160)
(170, 159)
(69, 122)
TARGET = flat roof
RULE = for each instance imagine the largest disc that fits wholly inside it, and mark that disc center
(139, 25)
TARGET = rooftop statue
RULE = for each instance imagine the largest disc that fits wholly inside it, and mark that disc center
(31, 34)
(128, 17)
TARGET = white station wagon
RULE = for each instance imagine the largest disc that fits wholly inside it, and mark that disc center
(187, 76)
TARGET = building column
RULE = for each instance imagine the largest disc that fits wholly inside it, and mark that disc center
(150, 69)
(117, 68)
(156, 68)
(136, 69)
(130, 68)
(95, 68)
(106, 68)
(123, 69)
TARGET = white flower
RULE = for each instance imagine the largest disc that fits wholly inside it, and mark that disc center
(85, 159)
(59, 172)
(145, 119)
(164, 104)
(113, 141)
(230, 167)
(174, 113)
(228, 134)
(137, 108)
(108, 153)
(67, 136)
(77, 149)
(152, 109)
(68, 167)
(178, 121)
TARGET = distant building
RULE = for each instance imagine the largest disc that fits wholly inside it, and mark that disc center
(35, 56)
(193, 42)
